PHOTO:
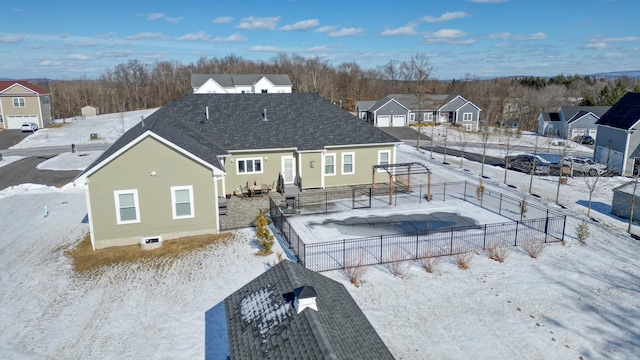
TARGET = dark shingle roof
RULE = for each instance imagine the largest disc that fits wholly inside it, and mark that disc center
(230, 80)
(572, 113)
(262, 323)
(624, 114)
(302, 121)
(428, 102)
(550, 116)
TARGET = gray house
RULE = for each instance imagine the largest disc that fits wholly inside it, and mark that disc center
(571, 121)
(622, 199)
(290, 312)
(618, 141)
(404, 109)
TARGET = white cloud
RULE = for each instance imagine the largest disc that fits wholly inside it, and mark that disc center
(161, 16)
(49, 63)
(10, 39)
(106, 36)
(173, 20)
(145, 35)
(301, 25)
(231, 38)
(613, 55)
(81, 44)
(448, 36)
(597, 45)
(155, 16)
(346, 32)
(518, 37)
(446, 17)
(260, 48)
(315, 49)
(222, 20)
(254, 23)
(325, 29)
(401, 31)
(200, 35)
(79, 57)
(34, 46)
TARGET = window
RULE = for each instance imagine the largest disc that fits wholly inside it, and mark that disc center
(348, 163)
(45, 100)
(330, 164)
(18, 102)
(264, 91)
(467, 116)
(412, 117)
(467, 127)
(428, 117)
(249, 166)
(127, 208)
(383, 158)
(182, 202)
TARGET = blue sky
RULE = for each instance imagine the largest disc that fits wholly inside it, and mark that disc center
(486, 38)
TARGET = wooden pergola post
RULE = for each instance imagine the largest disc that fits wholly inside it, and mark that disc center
(429, 186)
(373, 180)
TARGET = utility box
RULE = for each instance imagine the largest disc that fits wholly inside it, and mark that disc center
(94, 136)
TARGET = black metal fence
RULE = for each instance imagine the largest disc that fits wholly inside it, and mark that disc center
(531, 222)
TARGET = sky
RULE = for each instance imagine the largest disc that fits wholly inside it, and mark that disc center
(484, 38)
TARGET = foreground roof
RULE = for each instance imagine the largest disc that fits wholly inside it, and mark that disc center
(4, 85)
(262, 323)
(301, 121)
(230, 80)
(624, 114)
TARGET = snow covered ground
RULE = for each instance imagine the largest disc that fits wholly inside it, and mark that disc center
(574, 301)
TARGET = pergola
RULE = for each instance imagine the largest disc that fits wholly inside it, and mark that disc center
(401, 169)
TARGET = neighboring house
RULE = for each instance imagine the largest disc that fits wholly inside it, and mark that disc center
(290, 312)
(163, 177)
(571, 121)
(240, 83)
(623, 196)
(362, 109)
(398, 110)
(20, 102)
(89, 111)
(618, 141)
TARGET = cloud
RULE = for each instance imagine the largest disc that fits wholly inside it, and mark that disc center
(401, 31)
(231, 38)
(597, 45)
(200, 35)
(446, 17)
(448, 36)
(49, 63)
(155, 16)
(254, 23)
(346, 32)
(17, 10)
(173, 20)
(145, 35)
(316, 49)
(301, 25)
(222, 20)
(79, 57)
(106, 36)
(10, 39)
(81, 44)
(161, 16)
(518, 37)
(33, 46)
(612, 55)
(261, 48)
(325, 29)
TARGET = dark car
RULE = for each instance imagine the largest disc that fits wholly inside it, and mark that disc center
(529, 163)
(584, 139)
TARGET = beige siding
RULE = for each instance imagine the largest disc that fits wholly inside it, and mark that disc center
(365, 158)
(32, 106)
(132, 170)
(311, 177)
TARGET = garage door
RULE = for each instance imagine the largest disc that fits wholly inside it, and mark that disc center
(593, 132)
(399, 120)
(384, 120)
(577, 132)
(15, 121)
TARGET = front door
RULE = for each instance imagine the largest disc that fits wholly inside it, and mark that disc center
(288, 169)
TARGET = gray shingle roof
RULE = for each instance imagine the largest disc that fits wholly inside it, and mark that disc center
(430, 102)
(571, 113)
(550, 116)
(624, 114)
(230, 80)
(302, 121)
(262, 323)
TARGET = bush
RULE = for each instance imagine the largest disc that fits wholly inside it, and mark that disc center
(429, 264)
(498, 253)
(479, 190)
(355, 270)
(463, 260)
(264, 235)
(398, 266)
(532, 247)
(582, 232)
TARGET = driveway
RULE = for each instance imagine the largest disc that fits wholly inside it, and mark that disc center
(9, 138)
(403, 133)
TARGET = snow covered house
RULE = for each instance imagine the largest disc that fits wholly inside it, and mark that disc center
(240, 83)
(290, 312)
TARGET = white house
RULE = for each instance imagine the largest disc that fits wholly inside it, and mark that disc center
(240, 83)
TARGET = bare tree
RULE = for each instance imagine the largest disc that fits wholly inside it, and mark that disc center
(417, 71)
(485, 136)
(461, 138)
(591, 183)
(532, 170)
(506, 137)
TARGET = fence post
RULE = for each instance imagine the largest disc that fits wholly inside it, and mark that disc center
(417, 238)
(451, 251)
(381, 249)
(484, 238)
(546, 226)
(564, 225)
(515, 242)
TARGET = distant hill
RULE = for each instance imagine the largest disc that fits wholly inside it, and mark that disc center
(633, 74)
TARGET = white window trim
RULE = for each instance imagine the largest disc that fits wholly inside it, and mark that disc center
(428, 116)
(116, 196)
(353, 163)
(380, 152)
(468, 127)
(173, 202)
(245, 166)
(464, 116)
(324, 164)
(412, 117)
(22, 103)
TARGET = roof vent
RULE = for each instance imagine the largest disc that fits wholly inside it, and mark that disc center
(305, 297)
(264, 116)
(206, 114)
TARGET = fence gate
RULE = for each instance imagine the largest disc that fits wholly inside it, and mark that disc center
(361, 197)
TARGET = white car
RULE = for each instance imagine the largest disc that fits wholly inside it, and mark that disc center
(29, 127)
(584, 165)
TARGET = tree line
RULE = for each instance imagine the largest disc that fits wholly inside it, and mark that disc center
(134, 85)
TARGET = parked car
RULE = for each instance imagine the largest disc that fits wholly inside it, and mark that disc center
(529, 163)
(584, 139)
(584, 165)
(29, 127)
